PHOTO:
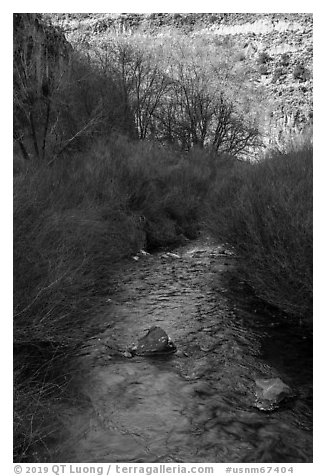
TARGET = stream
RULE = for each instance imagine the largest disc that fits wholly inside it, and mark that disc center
(198, 404)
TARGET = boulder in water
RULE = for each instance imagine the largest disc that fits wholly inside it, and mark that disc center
(270, 393)
(156, 341)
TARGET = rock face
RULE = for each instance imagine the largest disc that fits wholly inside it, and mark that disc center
(270, 393)
(156, 341)
(41, 66)
(275, 50)
(40, 49)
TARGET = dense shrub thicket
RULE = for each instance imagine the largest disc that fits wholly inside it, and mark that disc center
(72, 221)
(264, 210)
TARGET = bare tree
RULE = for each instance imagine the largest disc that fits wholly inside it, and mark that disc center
(138, 75)
(199, 112)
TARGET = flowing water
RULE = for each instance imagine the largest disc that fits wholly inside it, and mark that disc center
(197, 405)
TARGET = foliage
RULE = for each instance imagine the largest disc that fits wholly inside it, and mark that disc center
(205, 107)
(285, 59)
(278, 73)
(186, 93)
(72, 222)
(264, 210)
(301, 73)
(62, 100)
(65, 240)
(263, 58)
(263, 69)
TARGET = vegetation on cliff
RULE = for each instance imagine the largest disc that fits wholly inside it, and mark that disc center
(283, 83)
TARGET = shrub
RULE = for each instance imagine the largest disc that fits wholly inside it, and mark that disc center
(263, 58)
(277, 74)
(285, 59)
(240, 56)
(264, 211)
(69, 227)
(161, 185)
(301, 73)
(72, 221)
(263, 69)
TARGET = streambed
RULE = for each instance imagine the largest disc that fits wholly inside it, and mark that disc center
(198, 404)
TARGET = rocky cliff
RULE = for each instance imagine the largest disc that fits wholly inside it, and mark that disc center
(277, 47)
(40, 61)
(39, 48)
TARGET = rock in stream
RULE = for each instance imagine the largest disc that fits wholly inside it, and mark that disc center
(270, 393)
(156, 341)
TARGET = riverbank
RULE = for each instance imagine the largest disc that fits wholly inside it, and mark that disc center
(76, 226)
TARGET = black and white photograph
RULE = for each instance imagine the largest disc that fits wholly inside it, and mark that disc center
(162, 240)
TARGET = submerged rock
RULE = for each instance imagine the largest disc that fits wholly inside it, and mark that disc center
(170, 255)
(270, 393)
(156, 341)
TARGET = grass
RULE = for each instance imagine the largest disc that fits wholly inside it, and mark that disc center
(264, 211)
